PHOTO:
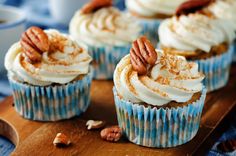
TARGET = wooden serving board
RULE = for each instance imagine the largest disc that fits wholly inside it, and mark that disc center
(36, 138)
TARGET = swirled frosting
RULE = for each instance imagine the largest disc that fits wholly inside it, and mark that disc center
(106, 26)
(151, 8)
(172, 78)
(224, 9)
(195, 32)
(67, 61)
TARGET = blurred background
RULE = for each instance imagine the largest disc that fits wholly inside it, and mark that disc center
(48, 13)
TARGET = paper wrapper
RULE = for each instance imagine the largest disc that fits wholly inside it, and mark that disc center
(105, 60)
(119, 3)
(51, 103)
(216, 70)
(159, 127)
(234, 55)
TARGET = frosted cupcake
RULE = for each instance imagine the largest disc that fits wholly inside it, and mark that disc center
(225, 9)
(49, 75)
(150, 13)
(201, 38)
(107, 32)
(159, 97)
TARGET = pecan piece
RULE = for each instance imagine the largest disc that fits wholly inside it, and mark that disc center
(112, 134)
(61, 140)
(192, 6)
(94, 5)
(92, 124)
(142, 53)
(34, 41)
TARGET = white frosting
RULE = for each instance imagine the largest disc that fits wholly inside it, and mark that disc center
(107, 26)
(225, 9)
(56, 67)
(151, 8)
(195, 31)
(172, 78)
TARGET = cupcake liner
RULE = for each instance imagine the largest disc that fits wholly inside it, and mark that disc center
(150, 29)
(51, 103)
(234, 55)
(119, 3)
(216, 70)
(159, 127)
(105, 60)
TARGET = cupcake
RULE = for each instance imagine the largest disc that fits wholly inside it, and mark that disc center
(107, 32)
(159, 97)
(202, 38)
(49, 74)
(149, 14)
(225, 9)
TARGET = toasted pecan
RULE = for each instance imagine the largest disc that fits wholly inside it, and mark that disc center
(192, 6)
(94, 5)
(34, 41)
(112, 134)
(142, 53)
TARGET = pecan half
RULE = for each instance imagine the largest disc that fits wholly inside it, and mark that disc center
(94, 5)
(34, 41)
(142, 53)
(112, 134)
(192, 6)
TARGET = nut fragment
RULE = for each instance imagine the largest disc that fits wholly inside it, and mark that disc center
(192, 6)
(142, 53)
(94, 5)
(61, 140)
(112, 134)
(91, 124)
(34, 41)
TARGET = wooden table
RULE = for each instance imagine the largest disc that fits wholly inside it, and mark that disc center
(32, 137)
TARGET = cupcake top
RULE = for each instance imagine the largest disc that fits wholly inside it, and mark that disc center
(154, 77)
(195, 30)
(224, 9)
(151, 8)
(45, 57)
(103, 26)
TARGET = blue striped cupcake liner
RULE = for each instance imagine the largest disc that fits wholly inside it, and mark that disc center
(234, 55)
(51, 103)
(159, 127)
(150, 29)
(119, 3)
(216, 70)
(105, 60)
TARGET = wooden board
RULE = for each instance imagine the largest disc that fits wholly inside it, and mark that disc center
(36, 137)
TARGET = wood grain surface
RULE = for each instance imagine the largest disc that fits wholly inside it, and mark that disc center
(35, 138)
